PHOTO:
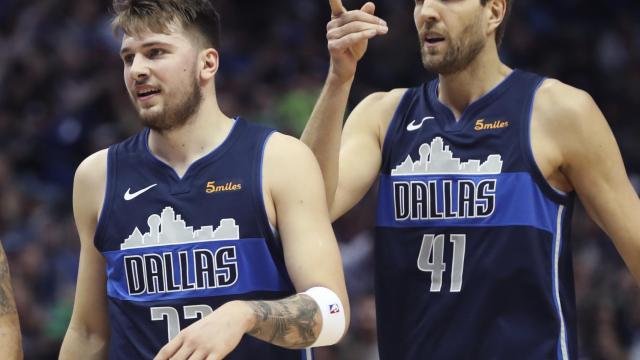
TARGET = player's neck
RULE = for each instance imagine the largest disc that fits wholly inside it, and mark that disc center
(204, 132)
(459, 90)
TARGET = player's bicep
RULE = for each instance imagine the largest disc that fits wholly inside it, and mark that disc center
(360, 159)
(361, 149)
(295, 183)
(595, 168)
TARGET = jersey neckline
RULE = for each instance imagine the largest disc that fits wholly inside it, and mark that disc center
(453, 124)
(198, 163)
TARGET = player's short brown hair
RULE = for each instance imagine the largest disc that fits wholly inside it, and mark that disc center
(136, 16)
(501, 28)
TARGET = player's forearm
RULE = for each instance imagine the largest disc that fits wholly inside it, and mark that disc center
(294, 322)
(627, 239)
(324, 130)
(81, 344)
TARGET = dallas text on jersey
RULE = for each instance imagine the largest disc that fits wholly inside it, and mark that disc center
(444, 199)
(198, 269)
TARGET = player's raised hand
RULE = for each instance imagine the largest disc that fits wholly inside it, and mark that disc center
(348, 34)
(212, 337)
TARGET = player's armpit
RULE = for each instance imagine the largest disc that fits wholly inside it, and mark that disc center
(592, 162)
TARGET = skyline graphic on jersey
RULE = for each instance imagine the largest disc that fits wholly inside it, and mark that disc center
(169, 228)
(438, 159)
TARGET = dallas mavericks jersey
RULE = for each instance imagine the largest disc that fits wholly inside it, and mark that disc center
(472, 252)
(178, 248)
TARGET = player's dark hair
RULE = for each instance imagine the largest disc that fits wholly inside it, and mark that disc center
(501, 28)
(136, 16)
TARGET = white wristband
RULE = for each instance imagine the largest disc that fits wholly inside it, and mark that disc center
(333, 316)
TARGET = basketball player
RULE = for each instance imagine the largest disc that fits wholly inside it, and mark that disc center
(9, 324)
(180, 225)
(477, 171)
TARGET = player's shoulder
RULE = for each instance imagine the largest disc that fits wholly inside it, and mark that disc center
(93, 169)
(285, 151)
(383, 100)
(288, 164)
(375, 112)
(89, 186)
(562, 103)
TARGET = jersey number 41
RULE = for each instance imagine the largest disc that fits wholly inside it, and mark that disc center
(431, 259)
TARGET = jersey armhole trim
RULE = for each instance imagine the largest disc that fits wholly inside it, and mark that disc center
(405, 102)
(270, 232)
(259, 193)
(551, 192)
(105, 211)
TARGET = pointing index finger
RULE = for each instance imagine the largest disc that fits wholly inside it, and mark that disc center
(337, 8)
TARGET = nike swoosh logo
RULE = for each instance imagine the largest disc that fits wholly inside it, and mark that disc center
(129, 196)
(413, 126)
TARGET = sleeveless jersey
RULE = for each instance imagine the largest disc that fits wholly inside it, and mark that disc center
(178, 248)
(472, 252)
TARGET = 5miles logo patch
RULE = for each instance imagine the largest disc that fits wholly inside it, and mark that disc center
(497, 124)
(212, 187)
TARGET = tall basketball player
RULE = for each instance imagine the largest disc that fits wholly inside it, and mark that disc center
(201, 228)
(10, 339)
(478, 171)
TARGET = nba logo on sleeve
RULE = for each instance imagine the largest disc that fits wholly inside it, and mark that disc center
(334, 309)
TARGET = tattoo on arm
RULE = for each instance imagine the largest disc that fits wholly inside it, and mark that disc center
(7, 304)
(293, 322)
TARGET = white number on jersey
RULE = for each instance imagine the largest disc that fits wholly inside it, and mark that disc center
(173, 319)
(431, 259)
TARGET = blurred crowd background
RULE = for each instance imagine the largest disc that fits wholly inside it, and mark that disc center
(62, 98)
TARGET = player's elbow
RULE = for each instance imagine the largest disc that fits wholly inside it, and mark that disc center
(83, 340)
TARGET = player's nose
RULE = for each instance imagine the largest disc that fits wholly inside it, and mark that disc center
(428, 11)
(139, 68)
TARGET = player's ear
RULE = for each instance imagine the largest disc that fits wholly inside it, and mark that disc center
(496, 10)
(209, 60)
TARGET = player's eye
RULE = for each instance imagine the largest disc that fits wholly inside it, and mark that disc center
(128, 59)
(155, 52)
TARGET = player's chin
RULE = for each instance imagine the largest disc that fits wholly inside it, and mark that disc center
(151, 117)
(432, 63)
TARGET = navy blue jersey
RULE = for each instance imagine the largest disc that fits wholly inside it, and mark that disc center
(178, 248)
(472, 253)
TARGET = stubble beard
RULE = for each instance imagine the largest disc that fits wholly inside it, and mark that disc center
(175, 114)
(459, 54)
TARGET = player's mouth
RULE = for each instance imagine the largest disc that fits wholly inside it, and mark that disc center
(146, 93)
(432, 39)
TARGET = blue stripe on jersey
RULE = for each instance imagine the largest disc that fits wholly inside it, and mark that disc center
(508, 199)
(207, 268)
